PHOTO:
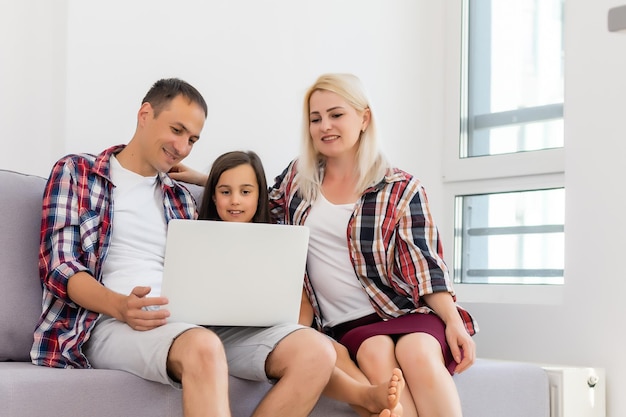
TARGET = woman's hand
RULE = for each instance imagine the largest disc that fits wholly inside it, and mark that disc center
(461, 345)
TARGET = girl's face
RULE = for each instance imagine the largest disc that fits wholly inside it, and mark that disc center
(335, 125)
(236, 194)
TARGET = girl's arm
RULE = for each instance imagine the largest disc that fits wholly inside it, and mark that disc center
(306, 310)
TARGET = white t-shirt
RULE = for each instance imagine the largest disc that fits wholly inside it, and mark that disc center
(339, 292)
(137, 245)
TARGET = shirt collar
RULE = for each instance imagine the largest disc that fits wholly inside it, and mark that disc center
(102, 166)
(392, 175)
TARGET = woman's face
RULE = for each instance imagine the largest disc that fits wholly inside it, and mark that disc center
(236, 194)
(335, 126)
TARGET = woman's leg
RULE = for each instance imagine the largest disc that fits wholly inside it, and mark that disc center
(376, 358)
(430, 384)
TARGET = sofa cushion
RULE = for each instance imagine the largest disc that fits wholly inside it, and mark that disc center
(20, 205)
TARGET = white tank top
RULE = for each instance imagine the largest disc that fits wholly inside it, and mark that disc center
(137, 246)
(339, 292)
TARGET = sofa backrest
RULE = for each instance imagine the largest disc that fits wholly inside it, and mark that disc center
(20, 219)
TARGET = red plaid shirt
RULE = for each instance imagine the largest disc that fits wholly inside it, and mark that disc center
(75, 234)
(394, 244)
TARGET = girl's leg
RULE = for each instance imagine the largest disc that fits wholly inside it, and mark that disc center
(376, 357)
(349, 384)
(430, 384)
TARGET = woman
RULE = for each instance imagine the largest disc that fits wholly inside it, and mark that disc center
(376, 279)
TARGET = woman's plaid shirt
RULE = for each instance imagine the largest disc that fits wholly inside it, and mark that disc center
(394, 244)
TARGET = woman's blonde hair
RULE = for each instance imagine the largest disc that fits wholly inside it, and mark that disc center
(370, 165)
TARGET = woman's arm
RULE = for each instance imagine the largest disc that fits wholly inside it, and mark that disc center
(461, 343)
(419, 249)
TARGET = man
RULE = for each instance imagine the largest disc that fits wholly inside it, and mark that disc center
(103, 235)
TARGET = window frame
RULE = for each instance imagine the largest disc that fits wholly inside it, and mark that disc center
(520, 171)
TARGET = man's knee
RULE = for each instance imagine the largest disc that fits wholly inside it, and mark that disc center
(196, 349)
(303, 349)
(315, 345)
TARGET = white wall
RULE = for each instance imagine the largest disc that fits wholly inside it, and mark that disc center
(32, 84)
(73, 73)
(252, 60)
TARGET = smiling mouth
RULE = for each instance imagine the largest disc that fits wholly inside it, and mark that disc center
(170, 155)
(329, 138)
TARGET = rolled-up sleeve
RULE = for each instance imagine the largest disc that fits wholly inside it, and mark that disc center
(61, 254)
(419, 252)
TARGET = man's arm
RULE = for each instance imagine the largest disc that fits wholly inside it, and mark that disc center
(65, 265)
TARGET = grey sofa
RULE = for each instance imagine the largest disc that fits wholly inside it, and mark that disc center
(489, 389)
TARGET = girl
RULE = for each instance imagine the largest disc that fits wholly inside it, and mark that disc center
(236, 190)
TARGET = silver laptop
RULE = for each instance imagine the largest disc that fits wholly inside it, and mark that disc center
(234, 274)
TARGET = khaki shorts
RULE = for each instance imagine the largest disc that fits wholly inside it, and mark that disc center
(247, 348)
(114, 345)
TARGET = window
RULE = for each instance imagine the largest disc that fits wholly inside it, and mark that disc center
(514, 65)
(511, 237)
(504, 161)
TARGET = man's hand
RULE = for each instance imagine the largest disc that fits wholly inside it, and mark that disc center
(141, 312)
(136, 310)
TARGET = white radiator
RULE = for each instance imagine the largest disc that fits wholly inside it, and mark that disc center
(576, 391)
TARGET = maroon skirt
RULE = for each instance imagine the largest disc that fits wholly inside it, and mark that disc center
(353, 333)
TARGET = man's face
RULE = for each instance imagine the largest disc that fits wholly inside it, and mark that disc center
(168, 138)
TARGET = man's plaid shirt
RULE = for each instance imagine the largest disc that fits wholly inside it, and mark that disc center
(75, 235)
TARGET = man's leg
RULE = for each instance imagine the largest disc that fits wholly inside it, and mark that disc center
(302, 362)
(197, 359)
(168, 354)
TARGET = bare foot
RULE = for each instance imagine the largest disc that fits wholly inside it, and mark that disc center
(386, 413)
(395, 388)
(384, 399)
